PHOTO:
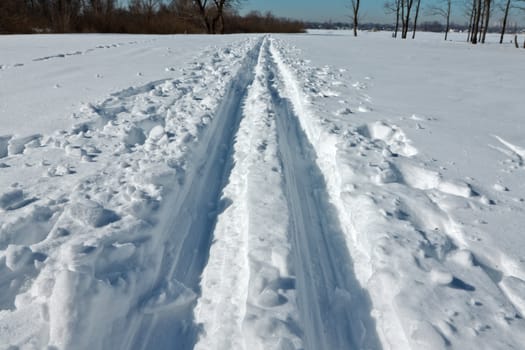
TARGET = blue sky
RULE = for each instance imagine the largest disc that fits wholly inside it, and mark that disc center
(337, 10)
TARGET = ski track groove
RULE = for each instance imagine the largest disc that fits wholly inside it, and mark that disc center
(193, 218)
(340, 319)
(334, 309)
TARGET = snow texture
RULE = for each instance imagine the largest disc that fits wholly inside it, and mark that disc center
(261, 192)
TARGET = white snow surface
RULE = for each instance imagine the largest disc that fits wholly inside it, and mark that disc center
(313, 191)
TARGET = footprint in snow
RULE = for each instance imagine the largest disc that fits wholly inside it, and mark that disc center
(344, 111)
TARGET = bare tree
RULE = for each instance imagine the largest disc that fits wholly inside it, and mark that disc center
(183, 7)
(520, 5)
(471, 12)
(443, 10)
(394, 6)
(212, 13)
(202, 7)
(406, 9)
(486, 19)
(63, 13)
(476, 13)
(398, 7)
(219, 15)
(481, 10)
(355, 14)
(415, 19)
(146, 7)
(98, 8)
(504, 23)
(134, 16)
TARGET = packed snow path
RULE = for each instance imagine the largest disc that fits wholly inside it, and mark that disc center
(304, 257)
(250, 203)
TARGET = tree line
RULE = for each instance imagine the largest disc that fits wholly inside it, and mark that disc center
(479, 13)
(137, 16)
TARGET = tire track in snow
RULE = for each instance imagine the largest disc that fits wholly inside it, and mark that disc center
(193, 216)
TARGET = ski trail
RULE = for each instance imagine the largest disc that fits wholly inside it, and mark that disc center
(279, 271)
(335, 310)
(248, 287)
(398, 218)
(193, 214)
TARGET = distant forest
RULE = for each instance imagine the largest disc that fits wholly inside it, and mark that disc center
(138, 16)
(479, 14)
(427, 26)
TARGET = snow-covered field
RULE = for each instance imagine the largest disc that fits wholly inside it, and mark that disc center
(312, 191)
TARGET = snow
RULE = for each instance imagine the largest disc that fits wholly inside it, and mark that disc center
(64, 72)
(313, 191)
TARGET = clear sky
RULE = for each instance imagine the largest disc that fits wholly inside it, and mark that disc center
(339, 10)
(318, 10)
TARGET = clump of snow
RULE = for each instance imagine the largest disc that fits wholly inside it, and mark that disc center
(93, 214)
(156, 133)
(17, 257)
(500, 187)
(18, 145)
(441, 277)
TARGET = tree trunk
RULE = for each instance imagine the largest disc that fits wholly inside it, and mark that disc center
(355, 7)
(219, 7)
(398, 3)
(471, 22)
(481, 21)
(487, 19)
(402, 18)
(504, 24)
(475, 27)
(449, 5)
(204, 15)
(415, 19)
(407, 19)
